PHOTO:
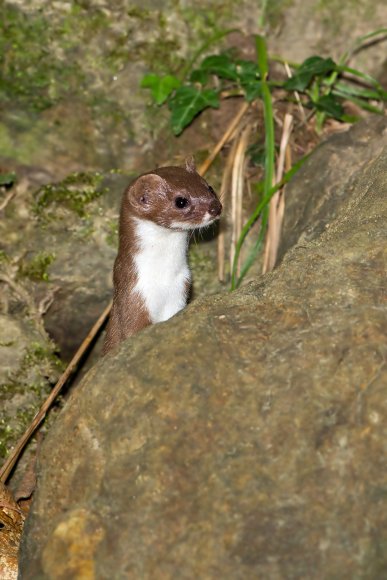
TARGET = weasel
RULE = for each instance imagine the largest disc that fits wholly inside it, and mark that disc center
(151, 274)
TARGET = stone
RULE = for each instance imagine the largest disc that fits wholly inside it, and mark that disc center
(243, 438)
(318, 192)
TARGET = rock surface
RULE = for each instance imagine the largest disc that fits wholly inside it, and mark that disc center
(244, 438)
(72, 69)
(318, 192)
(53, 261)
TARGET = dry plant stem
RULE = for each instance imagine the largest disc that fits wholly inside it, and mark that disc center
(237, 190)
(277, 203)
(13, 457)
(225, 137)
(296, 94)
(10, 195)
(222, 195)
(281, 205)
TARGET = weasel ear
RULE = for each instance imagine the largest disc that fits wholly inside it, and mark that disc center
(190, 164)
(145, 189)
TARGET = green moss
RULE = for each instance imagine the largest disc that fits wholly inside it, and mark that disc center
(38, 353)
(159, 51)
(342, 11)
(47, 60)
(13, 427)
(112, 233)
(273, 12)
(36, 267)
(6, 435)
(6, 343)
(38, 370)
(200, 261)
(4, 257)
(31, 73)
(75, 192)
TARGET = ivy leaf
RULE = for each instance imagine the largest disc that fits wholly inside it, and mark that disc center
(252, 90)
(188, 102)
(7, 179)
(257, 157)
(330, 105)
(248, 76)
(247, 70)
(199, 76)
(311, 67)
(221, 65)
(161, 87)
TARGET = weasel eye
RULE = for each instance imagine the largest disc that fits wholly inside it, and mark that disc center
(210, 189)
(181, 202)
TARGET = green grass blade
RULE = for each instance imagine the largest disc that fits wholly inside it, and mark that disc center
(253, 218)
(365, 105)
(256, 248)
(350, 89)
(263, 68)
(262, 61)
(367, 78)
(360, 39)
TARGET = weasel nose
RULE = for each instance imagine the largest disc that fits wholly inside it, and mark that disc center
(215, 208)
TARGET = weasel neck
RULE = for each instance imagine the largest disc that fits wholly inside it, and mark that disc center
(149, 234)
(162, 269)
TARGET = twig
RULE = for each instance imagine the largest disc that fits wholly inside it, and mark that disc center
(14, 455)
(237, 190)
(225, 137)
(11, 194)
(296, 94)
(222, 195)
(46, 302)
(277, 204)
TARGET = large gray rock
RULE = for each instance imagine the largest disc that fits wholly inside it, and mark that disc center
(319, 191)
(244, 438)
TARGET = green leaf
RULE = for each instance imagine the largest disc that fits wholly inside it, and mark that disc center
(199, 76)
(364, 77)
(330, 105)
(221, 65)
(7, 179)
(252, 90)
(310, 68)
(256, 152)
(247, 70)
(161, 87)
(262, 61)
(188, 102)
(260, 210)
(249, 79)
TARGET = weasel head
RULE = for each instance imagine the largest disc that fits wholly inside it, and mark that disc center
(173, 197)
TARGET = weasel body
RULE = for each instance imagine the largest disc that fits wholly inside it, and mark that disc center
(151, 274)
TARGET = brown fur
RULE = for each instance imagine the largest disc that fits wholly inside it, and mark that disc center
(152, 197)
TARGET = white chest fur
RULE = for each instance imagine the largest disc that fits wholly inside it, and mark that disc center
(162, 269)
